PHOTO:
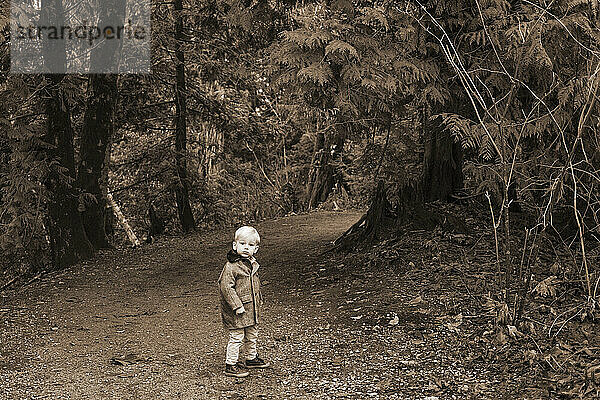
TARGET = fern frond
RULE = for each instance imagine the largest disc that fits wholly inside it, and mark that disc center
(371, 15)
(575, 21)
(364, 43)
(317, 39)
(369, 83)
(433, 95)
(307, 39)
(462, 129)
(317, 72)
(286, 77)
(416, 71)
(294, 57)
(341, 47)
(571, 4)
(477, 37)
(487, 150)
(352, 73)
(296, 37)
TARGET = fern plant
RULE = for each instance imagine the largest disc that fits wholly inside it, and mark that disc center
(353, 69)
(529, 71)
(23, 240)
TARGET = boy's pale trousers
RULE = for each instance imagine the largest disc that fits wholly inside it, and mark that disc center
(246, 337)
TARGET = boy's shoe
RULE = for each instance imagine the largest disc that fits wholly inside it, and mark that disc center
(241, 365)
(235, 370)
(257, 362)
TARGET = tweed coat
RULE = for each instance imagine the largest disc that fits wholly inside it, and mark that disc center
(239, 284)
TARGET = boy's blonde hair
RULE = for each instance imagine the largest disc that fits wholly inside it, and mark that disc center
(247, 231)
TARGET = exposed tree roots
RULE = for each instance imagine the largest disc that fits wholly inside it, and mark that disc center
(369, 226)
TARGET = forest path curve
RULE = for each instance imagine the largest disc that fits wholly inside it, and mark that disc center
(144, 323)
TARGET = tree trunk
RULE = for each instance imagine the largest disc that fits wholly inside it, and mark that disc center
(327, 149)
(68, 240)
(155, 224)
(186, 217)
(98, 127)
(442, 164)
(5, 147)
(109, 214)
(122, 220)
(316, 155)
(369, 227)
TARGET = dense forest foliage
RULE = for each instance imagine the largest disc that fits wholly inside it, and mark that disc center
(257, 108)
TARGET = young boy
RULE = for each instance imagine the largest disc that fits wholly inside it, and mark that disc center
(239, 286)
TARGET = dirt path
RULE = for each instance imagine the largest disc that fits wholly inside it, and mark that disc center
(144, 324)
(153, 312)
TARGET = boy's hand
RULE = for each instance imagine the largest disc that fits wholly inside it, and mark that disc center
(240, 310)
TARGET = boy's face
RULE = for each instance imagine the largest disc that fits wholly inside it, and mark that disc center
(245, 246)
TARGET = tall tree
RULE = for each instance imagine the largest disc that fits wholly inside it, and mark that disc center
(68, 240)
(98, 125)
(186, 217)
(328, 147)
(441, 169)
(442, 173)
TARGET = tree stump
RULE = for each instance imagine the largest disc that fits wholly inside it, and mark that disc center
(368, 227)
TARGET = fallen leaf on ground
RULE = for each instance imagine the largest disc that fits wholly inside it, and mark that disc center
(546, 288)
(513, 332)
(409, 363)
(593, 374)
(415, 301)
